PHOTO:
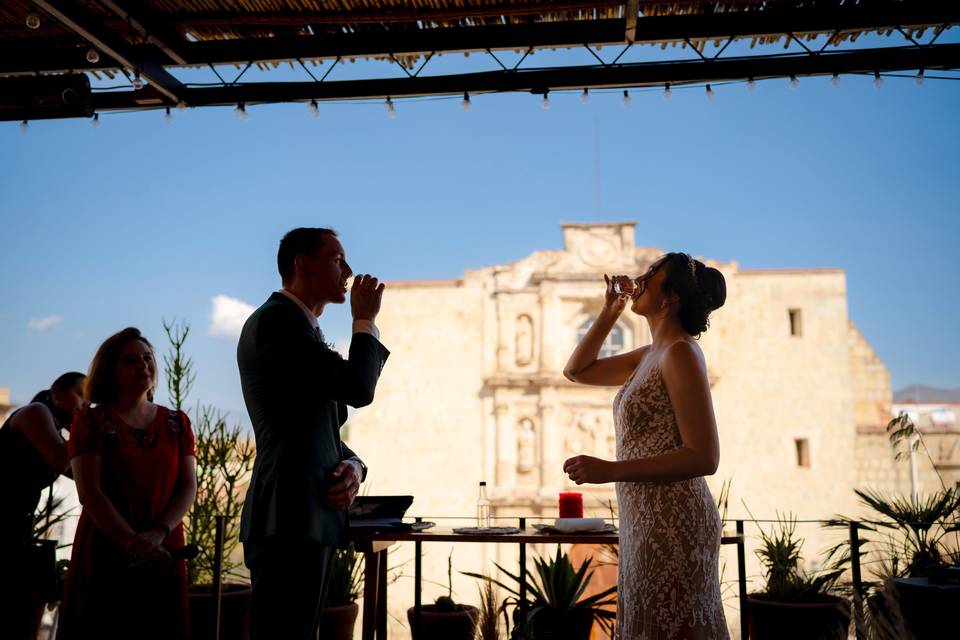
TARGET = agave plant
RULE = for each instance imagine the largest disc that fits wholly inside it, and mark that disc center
(558, 608)
(780, 554)
(344, 577)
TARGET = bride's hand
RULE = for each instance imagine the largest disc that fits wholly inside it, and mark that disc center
(587, 469)
(614, 301)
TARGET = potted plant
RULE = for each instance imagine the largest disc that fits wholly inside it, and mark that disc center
(795, 603)
(344, 584)
(905, 538)
(224, 461)
(444, 619)
(557, 610)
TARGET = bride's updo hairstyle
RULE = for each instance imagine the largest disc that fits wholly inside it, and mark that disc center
(701, 290)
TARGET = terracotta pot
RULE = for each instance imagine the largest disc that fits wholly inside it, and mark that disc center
(825, 620)
(444, 625)
(234, 613)
(337, 623)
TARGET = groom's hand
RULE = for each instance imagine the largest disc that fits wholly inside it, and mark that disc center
(365, 296)
(346, 484)
(588, 469)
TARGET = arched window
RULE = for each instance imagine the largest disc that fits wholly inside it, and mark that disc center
(614, 343)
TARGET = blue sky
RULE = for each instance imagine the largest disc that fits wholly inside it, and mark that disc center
(138, 220)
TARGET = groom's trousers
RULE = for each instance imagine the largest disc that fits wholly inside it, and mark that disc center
(288, 576)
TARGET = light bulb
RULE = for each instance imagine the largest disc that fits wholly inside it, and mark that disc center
(877, 80)
(391, 111)
(93, 56)
(667, 93)
(137, 81)
(835, 80)
(918, 80)
(33, 21)
(794, 81)
(751, 84)
(465, 103)
(545, 103)
(585, 96)
(709, 91)
(168, 117)
(24, 126)
(241, 112)
(95, 123)
(626, 98)
(314, 108)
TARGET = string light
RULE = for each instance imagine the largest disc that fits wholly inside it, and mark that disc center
(391, 111)
(137, 81)
(794, 81)
(751, 84)
(93, 56)
(585, 96)
(710, 95)
(314, 108)
(919, 79)
(33, 21)
(835, 80)
(24, 126)
(95, 123)
(465, 103)
(241, 112)
(626, 98)
(667, 93)
(168, 117)
(877, 80)
(545, 103)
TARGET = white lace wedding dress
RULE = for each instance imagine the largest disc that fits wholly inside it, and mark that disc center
(669, 533)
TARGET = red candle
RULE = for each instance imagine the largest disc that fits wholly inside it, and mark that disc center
(571, 505)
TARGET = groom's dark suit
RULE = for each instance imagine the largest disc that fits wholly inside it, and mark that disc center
(296, 390)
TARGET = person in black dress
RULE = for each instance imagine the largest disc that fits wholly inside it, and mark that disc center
(33, 454)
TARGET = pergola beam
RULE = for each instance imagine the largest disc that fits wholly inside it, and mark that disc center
(631, 10)
(770, 22)
(152, 28)
(71, 15)
(539, 80)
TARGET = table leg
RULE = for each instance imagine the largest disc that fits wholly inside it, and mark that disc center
(371, 573)
(382, 597)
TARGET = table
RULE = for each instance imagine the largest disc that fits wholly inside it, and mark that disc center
(375, 544)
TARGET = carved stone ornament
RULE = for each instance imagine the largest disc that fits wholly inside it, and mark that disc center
(599, 251)
(524, 340)
(591, 433)
(526, 446)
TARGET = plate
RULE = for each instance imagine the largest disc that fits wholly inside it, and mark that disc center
(549, 528)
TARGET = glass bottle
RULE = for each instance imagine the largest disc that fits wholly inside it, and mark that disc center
(483, 507)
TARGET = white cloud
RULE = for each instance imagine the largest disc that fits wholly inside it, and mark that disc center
(228, 316)
(342, 346)
(40, 325)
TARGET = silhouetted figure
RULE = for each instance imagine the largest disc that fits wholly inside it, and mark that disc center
(667, 441)
(33, 454)
(296, 390)
(134, 466)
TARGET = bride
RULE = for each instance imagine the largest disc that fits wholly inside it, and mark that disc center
(666, 443)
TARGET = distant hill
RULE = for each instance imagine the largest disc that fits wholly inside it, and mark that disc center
(926, 395)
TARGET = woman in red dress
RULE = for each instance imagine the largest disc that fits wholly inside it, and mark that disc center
(134, 466)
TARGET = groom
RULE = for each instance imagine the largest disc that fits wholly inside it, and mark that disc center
(296, 390)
